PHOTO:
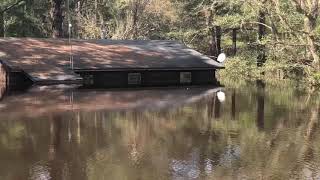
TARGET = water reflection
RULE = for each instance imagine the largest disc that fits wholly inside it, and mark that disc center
(261, 131)
(260, 104)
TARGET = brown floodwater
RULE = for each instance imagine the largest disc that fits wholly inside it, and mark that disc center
(260, 131)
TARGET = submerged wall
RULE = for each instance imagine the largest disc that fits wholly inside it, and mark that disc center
(18, 80)
(103, 79)
(13, 79)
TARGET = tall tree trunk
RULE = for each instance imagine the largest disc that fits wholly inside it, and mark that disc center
(261, 34)
(96, 11)
(234, 41)
(215, 44)
(1, 24)
(218, 39)
(135, 18)
(57, 18)
(215, 32)
(78, 19)
(261, 25)
(212, 32)
(102, 26)
(310, 26)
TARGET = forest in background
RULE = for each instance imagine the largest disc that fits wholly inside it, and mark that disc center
(274, 38)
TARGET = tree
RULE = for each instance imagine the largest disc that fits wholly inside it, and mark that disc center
(4, 10)
(57, 18)
(286, 31)
(310, 10)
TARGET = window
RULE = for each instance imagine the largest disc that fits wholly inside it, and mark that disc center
(134, 78)
(185, 77)
(88, 79)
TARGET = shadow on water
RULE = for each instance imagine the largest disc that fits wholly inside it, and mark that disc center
(258, 131)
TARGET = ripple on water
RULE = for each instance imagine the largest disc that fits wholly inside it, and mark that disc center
(40, 171)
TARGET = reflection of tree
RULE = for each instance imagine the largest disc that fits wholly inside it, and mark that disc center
(260, 104)
(217, 106)
(55, 147)
(307, 151)
(233, 104)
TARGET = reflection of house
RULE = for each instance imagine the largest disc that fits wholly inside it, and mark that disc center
(2, 81)
(2, 74)
(55, 99)
(105, 63)
(2, 90)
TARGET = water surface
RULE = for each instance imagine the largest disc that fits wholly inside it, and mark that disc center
(261, 131)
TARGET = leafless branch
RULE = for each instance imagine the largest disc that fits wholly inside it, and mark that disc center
(11, 6)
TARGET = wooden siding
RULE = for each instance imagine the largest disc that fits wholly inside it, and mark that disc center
(100, 79)
(17, 80)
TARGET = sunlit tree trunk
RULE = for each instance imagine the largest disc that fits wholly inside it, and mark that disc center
(215, 44)
(310, 9)
(57, 18)
(102, 26)
(310, 26)
(78, 18)
(96, 11)
(211, 31)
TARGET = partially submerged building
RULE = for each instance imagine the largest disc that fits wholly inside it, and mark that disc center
(103, 63)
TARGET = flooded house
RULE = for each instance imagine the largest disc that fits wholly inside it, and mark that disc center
(103, 63)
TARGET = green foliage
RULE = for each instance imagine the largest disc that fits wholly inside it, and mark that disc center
(315, 79)
(285, 40)
(240, 68)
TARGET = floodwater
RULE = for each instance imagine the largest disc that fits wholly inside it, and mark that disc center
(260, 131)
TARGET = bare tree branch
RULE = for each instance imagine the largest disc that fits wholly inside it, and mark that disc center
(11, 6)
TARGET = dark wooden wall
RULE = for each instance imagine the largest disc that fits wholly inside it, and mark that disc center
(148, 78)
(18, 80)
